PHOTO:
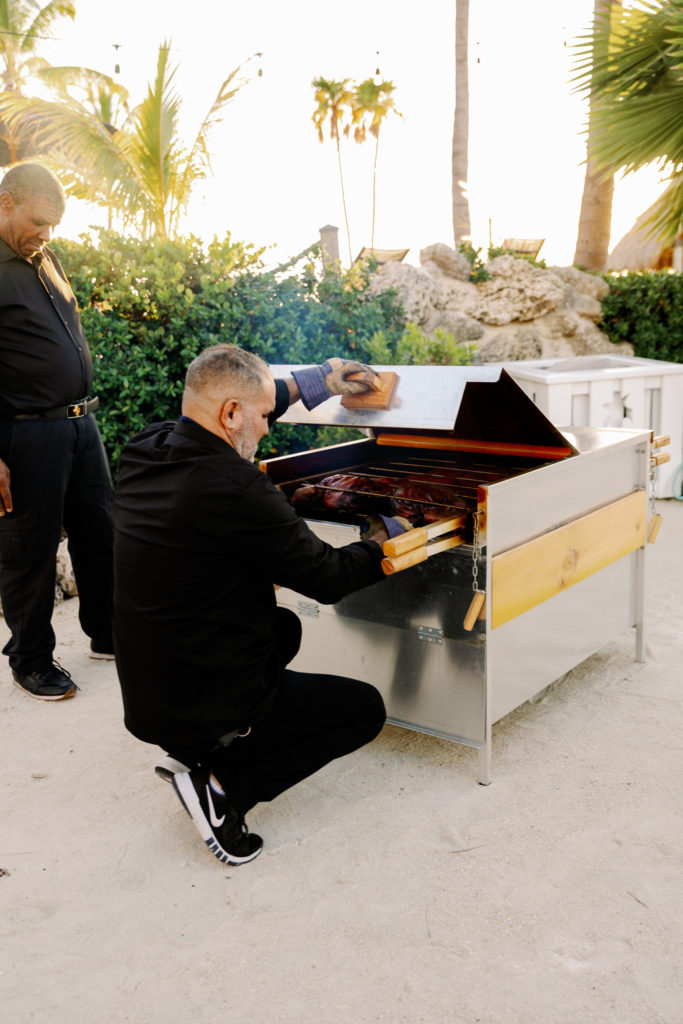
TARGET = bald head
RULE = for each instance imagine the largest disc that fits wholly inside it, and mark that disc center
(230, 392)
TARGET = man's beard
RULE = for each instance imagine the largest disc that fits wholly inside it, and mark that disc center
(246, 447)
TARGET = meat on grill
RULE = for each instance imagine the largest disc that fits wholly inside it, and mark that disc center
(350, 492)
(342, 491)
(426, 501)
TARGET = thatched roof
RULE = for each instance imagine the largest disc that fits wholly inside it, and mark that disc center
(639, 250)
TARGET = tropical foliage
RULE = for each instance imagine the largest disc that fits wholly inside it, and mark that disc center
(334, 101)
(365, 107)
(646, 309)
(372, 104)
(636, 90)
(23, 24)
(142, 170)
(149, 306)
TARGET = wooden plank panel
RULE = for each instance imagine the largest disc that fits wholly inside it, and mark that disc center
(531, 573)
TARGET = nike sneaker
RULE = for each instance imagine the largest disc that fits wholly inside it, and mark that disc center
(49, 683)
(218, 822)
(167, 767)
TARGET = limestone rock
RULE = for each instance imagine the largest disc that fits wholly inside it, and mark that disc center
(449, 261)
(592, 285)
(587, 306)
(505, 345)
(521, 312)
(417, 291)
(517, 291)
(461, 326)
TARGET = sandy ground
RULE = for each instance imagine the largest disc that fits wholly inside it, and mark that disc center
(392, 887)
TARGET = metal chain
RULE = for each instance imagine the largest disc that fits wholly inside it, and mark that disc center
(476, 551)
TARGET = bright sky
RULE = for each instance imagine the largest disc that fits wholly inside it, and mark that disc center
(276, 184)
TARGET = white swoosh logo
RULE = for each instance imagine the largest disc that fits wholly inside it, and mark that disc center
(216, 822)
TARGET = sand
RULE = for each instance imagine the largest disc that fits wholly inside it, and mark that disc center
(392, 887)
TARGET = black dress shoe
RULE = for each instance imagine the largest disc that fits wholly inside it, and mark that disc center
(50, 683)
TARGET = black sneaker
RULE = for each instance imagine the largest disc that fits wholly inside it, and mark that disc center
(51, 683)
(220, 825)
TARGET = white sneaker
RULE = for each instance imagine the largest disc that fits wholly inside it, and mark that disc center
(169, 766)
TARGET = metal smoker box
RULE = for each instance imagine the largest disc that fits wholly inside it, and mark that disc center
(555, 536)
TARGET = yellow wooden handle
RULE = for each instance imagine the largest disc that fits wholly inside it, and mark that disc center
(661, 440)
(476, 605)
(405, 561)
(417, 555)
(422, 535)
(660, 458)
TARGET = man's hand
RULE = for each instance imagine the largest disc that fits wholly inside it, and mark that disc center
(316, 383)
(5, 493)
(381, 528)
(339, 370)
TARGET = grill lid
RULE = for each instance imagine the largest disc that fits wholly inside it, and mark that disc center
(475, 403)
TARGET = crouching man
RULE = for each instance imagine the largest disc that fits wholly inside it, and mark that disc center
(201, 536)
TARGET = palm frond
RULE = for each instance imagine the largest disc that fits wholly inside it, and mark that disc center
(197, 164)
(43, 20)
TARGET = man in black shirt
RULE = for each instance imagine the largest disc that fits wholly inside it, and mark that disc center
(201, 536)
(53, 468)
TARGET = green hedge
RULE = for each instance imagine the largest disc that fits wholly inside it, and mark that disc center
(646, 309)
(148, 308)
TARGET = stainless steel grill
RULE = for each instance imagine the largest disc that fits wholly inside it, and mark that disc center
(544, 568)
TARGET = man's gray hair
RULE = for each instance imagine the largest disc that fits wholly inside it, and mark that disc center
(28, 182)
(219, 365)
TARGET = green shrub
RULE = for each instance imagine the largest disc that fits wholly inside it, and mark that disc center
(646, 309)
(148, 308)
(418, 349)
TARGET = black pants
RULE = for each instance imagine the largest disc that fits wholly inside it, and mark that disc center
(315, 719)
(59, 478)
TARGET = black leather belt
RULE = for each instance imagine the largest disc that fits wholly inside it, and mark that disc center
(75, 411)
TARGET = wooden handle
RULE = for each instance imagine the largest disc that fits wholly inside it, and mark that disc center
(422, 535)
(661, 440)
(417, 555)
(390, 565)
(474, 610)
(366, 377)
(653, 528)
(660, 458)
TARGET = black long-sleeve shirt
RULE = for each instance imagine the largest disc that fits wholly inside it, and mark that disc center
(201, 536)
(45, 362)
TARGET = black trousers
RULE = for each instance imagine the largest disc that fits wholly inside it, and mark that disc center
(59, 478)
(314, 719)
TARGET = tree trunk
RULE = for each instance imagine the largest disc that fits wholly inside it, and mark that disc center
(595, 219)
(461, 127)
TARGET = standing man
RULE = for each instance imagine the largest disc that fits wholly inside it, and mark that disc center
(201, 536)
(53, 468)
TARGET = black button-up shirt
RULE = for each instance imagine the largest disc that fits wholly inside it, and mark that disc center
(201, 535)
(45, 362)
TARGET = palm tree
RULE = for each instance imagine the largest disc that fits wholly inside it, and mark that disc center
(372, 103)
(141, 170)
(632, 69)
(595, 219)
(23, 24)
(335, 102)
(461, 124)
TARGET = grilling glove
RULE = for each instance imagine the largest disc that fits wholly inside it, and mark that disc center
(317, 383)
(392, 525)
